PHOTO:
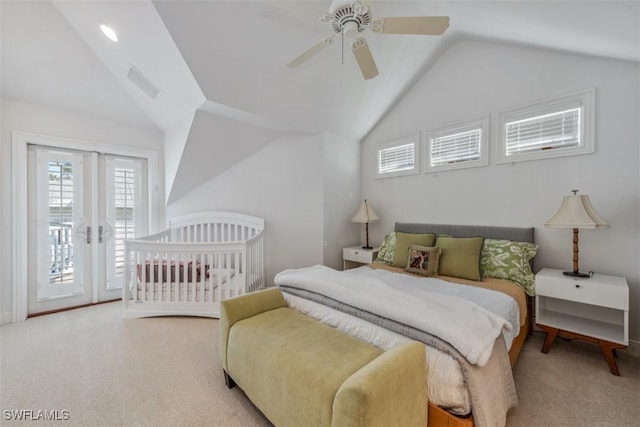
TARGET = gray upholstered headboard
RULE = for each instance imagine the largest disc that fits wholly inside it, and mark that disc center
(490, 232)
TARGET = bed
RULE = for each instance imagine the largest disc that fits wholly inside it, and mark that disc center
(466, 387)
(200, 260)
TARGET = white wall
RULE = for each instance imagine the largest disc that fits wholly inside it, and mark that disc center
(214, 144)
(341, 171)
(306, 187)
(281, 183)
(475, 78)
(175, 140)
(18, 116)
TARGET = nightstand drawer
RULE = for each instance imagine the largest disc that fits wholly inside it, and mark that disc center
(605, 293)
(357, 255)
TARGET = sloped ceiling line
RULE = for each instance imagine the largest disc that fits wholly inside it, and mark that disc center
(223, 62)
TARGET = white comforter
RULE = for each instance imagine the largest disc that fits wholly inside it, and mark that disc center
(445, 381)
(468, 327)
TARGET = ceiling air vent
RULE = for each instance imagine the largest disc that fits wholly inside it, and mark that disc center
(143, 83)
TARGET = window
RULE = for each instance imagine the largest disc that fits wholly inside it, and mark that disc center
(398, 157)
(457, 146)
(553, 128)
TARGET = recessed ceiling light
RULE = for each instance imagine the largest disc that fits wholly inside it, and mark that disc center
(108, 31)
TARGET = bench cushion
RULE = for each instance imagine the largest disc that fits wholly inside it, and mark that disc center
(306, 364)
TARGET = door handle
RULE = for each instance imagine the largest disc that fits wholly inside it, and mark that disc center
(83, 232)
(104, 232)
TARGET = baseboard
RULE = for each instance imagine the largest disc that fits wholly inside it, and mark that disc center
(6, 317)
(633, 349)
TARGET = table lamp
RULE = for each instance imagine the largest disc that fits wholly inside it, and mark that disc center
(365, 214)
(576, 212)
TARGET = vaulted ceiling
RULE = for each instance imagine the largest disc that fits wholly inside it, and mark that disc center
(227, 59)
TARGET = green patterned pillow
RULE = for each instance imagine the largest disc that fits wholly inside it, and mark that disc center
(387, 249)
(504, 259)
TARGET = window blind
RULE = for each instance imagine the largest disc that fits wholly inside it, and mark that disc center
(457, 147)
(124, 194)
(548, 131)
(396, 158)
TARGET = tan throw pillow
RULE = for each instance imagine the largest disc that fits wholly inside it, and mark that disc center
(460, 257)
(423, 260)
(404, 240)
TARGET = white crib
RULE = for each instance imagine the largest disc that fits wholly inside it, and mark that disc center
(188, 269)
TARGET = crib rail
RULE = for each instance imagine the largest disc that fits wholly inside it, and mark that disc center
(255, 263)
(189, 269)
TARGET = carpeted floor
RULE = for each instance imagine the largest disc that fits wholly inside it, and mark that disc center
(96, 369)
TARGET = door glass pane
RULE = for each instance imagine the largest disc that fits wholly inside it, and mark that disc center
(125, 212)
(124, 203)
(60, 202)
(59, 230)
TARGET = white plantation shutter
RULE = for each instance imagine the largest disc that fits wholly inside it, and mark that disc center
(125, 213)
(61, 218)
(557, 127)
(457, 147)
(59, 229)
(398, 157)
(548, 131)
(124, 188)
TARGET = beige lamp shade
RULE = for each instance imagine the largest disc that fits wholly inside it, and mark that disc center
(365, 213)
(576, 211)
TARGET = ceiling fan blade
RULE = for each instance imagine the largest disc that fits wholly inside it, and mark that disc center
(313, 50)
(365, 60)
(428, 25)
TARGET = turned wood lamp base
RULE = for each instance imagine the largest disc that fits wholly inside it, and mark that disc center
(576, 270)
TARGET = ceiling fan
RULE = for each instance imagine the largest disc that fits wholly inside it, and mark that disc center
(348, 18)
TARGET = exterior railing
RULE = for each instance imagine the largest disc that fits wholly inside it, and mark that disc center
(60, 249)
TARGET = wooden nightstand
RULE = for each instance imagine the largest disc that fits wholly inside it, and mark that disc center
(594, 309)
(355, 256)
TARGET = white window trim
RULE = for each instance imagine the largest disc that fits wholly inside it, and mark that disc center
(401, 140)
(459, 126)
(586, 98)
(19, 142)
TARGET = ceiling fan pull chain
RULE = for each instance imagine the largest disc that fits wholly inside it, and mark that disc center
(349, 18)
(342, 37)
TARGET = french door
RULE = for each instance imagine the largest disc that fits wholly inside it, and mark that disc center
(82, 206)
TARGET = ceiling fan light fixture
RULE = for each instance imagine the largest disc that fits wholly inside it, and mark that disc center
(350, 29)
(348, 18)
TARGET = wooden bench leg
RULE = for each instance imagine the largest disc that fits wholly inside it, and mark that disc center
(228, 380)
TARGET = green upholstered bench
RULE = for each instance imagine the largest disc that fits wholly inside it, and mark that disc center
(300, 372)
